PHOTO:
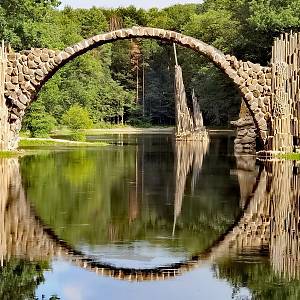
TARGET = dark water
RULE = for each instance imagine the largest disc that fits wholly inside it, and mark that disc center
(145, 218)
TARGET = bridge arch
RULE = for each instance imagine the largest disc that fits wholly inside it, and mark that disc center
(29, 70)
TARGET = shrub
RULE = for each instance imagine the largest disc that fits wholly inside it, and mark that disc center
(78, 136)
(77, 118)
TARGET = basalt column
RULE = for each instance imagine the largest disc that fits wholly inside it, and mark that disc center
(285, 105)
(7, 140)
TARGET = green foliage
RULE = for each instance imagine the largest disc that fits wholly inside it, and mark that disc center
(38, 121)
(259, 277)
(78, 136)
(77, 118)
(19, 279)
(106, 83)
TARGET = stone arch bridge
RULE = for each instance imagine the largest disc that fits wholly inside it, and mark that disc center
(270, 93)
(269, 221)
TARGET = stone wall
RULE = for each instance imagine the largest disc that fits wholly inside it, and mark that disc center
(245, 141)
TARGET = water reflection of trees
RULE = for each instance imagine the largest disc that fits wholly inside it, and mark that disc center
(262, 267)
(129, 194)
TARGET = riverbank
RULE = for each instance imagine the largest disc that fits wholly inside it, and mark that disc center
(135, 130)
(119, 130)
(46, 143)
(49, 142)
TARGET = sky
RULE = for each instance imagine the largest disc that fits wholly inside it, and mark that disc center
(117, 3)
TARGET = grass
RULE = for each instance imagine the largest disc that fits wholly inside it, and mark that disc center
(114, 129)
(9, 154)
(289, 156)
(30, 142)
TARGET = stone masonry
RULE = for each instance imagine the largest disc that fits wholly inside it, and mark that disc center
(245, 141)
(29, 70)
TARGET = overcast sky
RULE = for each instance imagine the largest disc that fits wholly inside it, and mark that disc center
(118, 3)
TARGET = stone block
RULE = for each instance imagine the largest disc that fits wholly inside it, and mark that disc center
(36, 52)
(51, 53)
(32, 64)
(30, 56)
(48, 67)
(29, 87)
(44, 70)
(247, 140)
(20, 68)
(44, 57)
(65, 55)
(23, 99)
(70, 50)
(9, 71)
(57, 59)
(39, 72)
(14, 71)
(21, 78)
(14, 79)
(39, 78)
(37, 59)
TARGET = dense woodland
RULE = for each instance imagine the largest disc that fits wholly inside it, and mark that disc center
(132, 81)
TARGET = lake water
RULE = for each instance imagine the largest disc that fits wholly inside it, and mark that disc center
(145, 218)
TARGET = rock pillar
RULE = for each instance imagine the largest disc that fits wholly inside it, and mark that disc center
(245, 142)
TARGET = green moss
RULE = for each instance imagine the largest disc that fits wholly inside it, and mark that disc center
(54, 143)
(9, 154)
(289, 156)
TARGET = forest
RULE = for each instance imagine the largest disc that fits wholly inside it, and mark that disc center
(131, 82)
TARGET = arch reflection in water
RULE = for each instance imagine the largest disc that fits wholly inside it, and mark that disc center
(268, 223)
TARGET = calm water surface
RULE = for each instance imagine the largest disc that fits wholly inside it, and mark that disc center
(145, 218)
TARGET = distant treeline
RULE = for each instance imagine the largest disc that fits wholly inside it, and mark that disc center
(132, 81)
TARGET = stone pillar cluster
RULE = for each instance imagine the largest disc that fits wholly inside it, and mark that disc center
(284, 123)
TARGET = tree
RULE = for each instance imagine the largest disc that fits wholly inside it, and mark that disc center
(38, 121)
